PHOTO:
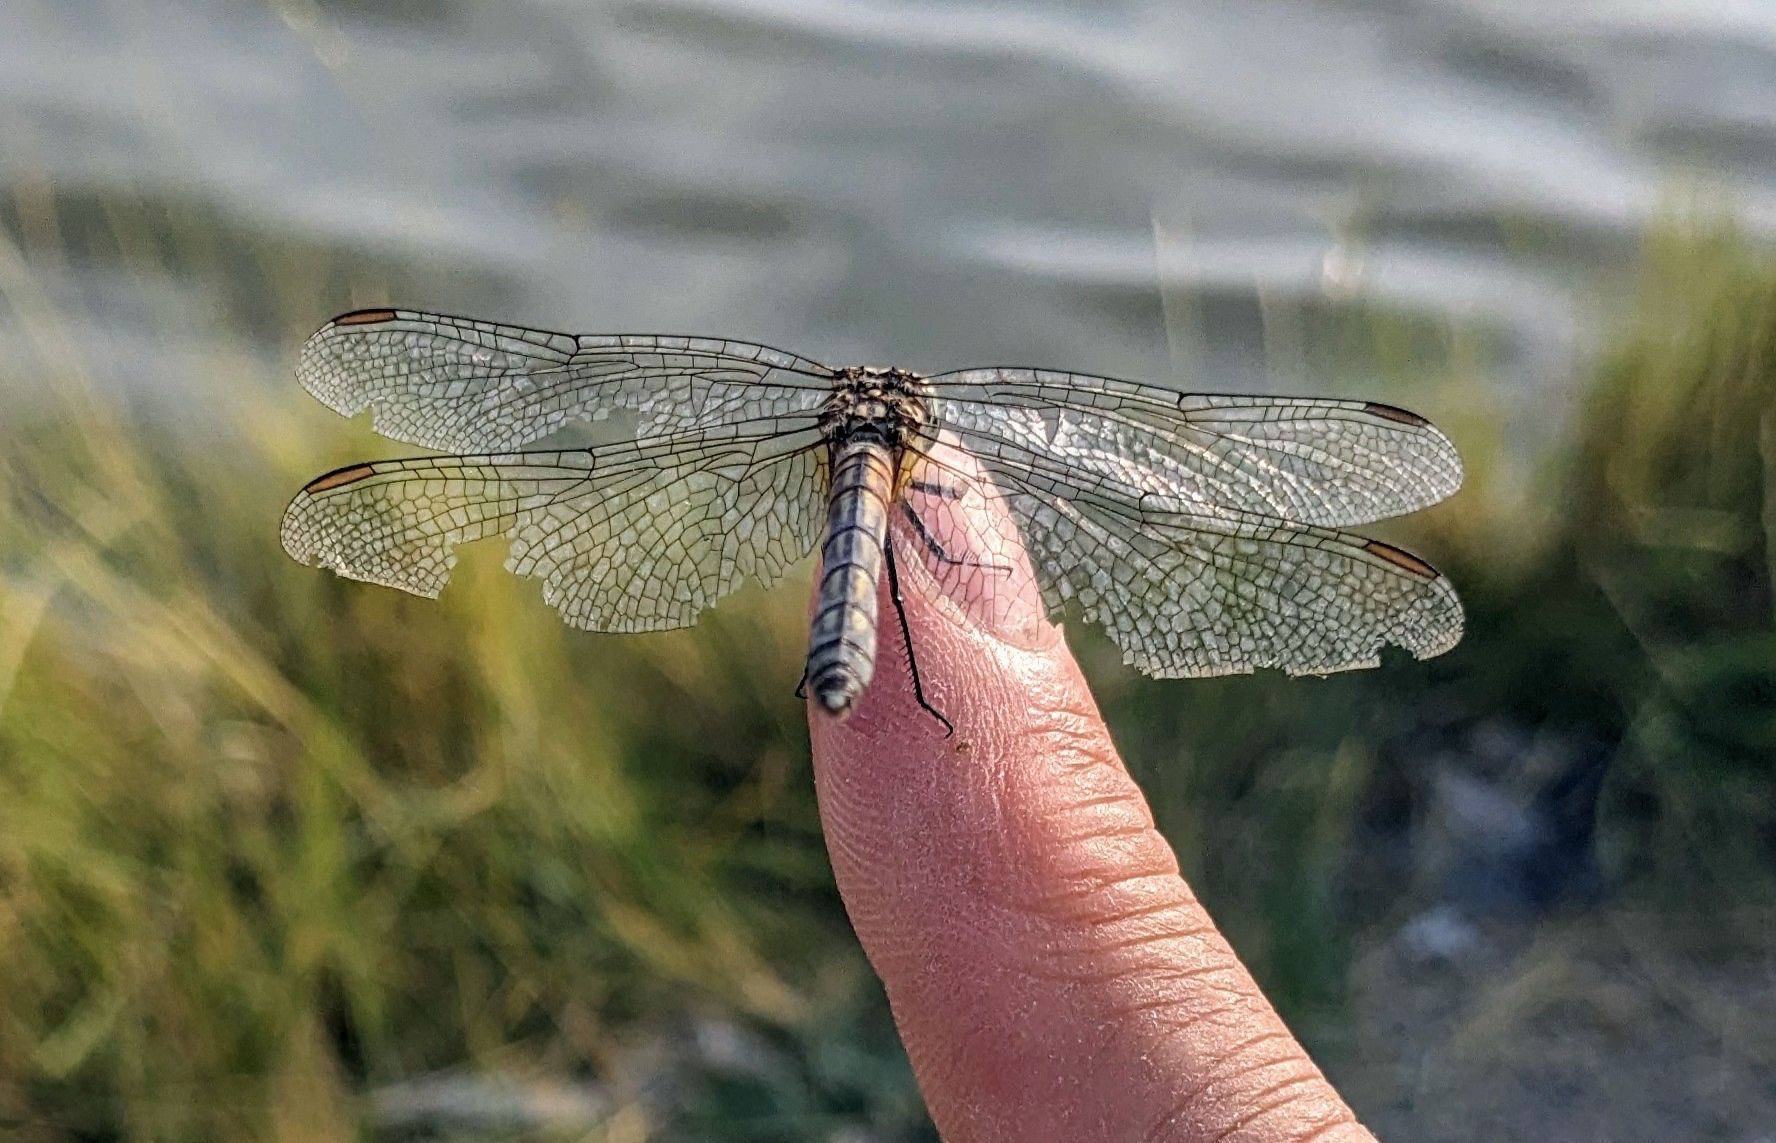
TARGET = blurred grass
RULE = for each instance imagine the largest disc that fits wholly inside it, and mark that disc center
(1647, 618)
(1673, 522)
(274, 841)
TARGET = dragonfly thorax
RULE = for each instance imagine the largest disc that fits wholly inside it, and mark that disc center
(881, 404)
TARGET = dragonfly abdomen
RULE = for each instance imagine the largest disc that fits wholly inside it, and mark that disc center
(842, 641)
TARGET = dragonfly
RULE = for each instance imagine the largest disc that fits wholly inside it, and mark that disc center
(1203, 532)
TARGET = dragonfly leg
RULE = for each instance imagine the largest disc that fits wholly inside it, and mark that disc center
(937, 549)
(931, 488)
(802, 687)
(912, 659)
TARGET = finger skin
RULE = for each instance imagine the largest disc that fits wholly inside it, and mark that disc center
(1052, 976)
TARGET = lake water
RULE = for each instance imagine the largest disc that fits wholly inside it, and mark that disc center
(1137, 188)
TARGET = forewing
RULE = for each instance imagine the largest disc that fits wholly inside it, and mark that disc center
(460, 385)
(1200, 592)
(1326, 463)
(637, 537)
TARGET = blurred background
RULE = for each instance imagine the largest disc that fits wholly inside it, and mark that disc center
(285, 857)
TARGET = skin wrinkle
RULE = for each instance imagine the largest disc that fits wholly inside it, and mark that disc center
(1148, 1006)
(1052, 976)
(1084, 855)
(1100, 827)
(1229, 1102)
(1185, 987)
(1153, 911)
(1335, 1128)
(1095, 944)
(1265, 1101)
(1136, 883)
(1119, 799)
(1304, 1111)
(1188, 1106)
(1141, 962)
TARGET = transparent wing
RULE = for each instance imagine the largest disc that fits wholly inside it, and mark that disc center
(1320, 462)
(460, 385)
(1201, 592)
(636, 537)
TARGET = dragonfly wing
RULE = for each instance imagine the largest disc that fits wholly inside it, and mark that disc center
(460, 385)
(1326, 463)
(635, 537)
(1206, 591)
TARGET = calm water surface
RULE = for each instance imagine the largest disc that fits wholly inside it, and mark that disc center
(1148, 189)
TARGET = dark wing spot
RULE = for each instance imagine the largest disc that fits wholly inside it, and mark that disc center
(364, 317)
(1394, 413)
(351, 474)
(1401, 559)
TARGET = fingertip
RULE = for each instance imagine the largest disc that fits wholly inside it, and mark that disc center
(1051, 974)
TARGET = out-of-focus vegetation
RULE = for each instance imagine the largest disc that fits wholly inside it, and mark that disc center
(1670, 528)
(275, 846)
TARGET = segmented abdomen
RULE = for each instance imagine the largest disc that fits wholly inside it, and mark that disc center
(842, 641)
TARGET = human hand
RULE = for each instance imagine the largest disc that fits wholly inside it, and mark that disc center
(1051, 974)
